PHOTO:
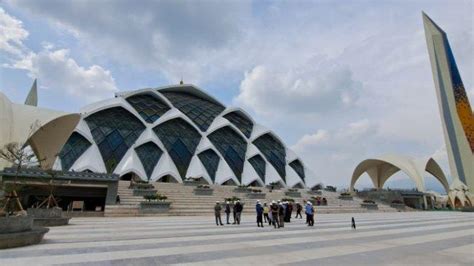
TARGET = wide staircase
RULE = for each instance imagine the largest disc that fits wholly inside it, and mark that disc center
(185, 203)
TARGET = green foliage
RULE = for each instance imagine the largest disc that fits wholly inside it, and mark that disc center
(288, 199)
(234, 198)
(203, 186)
(155, 197)
(369, 201)
(345, 194)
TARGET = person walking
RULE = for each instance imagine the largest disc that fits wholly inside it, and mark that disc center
(217, 213)
(306, 211)
(274, 212)
(227, 211)
(266, 210)
(310, 214)
(281, 215)
(259, 210)
(353, 223)
(299, 208)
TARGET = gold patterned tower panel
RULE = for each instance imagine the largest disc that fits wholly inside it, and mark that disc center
(456, 113)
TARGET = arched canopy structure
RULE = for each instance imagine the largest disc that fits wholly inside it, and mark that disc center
(380, 169)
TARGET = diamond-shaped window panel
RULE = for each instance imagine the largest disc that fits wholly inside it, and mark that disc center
(298, 167)
(180, 140)
(241, 121)
(210, 160)
(149, 107)
(149, 154)
(114, 131)
(274, 152)
(232, 147)
(201, 111)
(75, 146)
(258, 164)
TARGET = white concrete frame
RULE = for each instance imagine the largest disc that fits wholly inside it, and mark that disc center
(92, 160)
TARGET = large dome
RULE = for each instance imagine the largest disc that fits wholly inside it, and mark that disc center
(179, 132)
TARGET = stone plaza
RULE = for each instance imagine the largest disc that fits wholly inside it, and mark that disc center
(421, 238)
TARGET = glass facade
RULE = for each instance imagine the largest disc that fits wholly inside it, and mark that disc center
(210, 160)
(149, 154)
(75, 146)
(241, 121)
(298, 167)
(201, 111)
(258, 164)
(114, 131)
(274, 152)
(149, 107)
(180, 140)
(232, 147)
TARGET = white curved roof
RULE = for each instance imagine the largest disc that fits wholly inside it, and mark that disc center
(131, 162)
(381, 168)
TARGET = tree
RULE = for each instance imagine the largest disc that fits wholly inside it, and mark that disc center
(19, 156)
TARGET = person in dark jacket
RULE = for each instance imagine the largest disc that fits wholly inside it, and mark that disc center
(234, 212)
(299, 208)
(274, 208)
(259, 210)
(353, 223)
(227, 211)
(238, 211)
(217, 213)
(310, 214)
(281, 214)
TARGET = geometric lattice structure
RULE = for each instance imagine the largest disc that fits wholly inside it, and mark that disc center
(149, 154)
(149, 107)
(181, 132)
(75, 146)
(456, 113)
(210, 160)
(298, 167)
(201, 111)
(274, 151)
(241, 121)
(232, 147)
(258, 164)
(180, 140)
(114, 131)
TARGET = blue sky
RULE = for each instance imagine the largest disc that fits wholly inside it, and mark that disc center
(339, 81)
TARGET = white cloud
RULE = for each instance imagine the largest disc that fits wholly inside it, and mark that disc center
(315, 86)
(311, 140)
(55, 69)
(12, 34)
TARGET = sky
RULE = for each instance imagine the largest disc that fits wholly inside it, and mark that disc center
(338, 81)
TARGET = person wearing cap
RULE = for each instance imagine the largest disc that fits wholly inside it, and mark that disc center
(227, 211)
(310, 214)
(217, 213)
(259, 210)
(274, 212)
(266, 210)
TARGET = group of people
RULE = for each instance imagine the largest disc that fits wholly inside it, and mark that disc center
(236, 209)
(275, 213)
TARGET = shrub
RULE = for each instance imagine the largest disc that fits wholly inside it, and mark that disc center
(292, 190)
(256, 190)
(155, 197)
(234, 198)
(288, 199)
(369, 201)
(318, 187)
(345, 194)
(397, 201)
(242, 186)
(331, 188)
(203, 186)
